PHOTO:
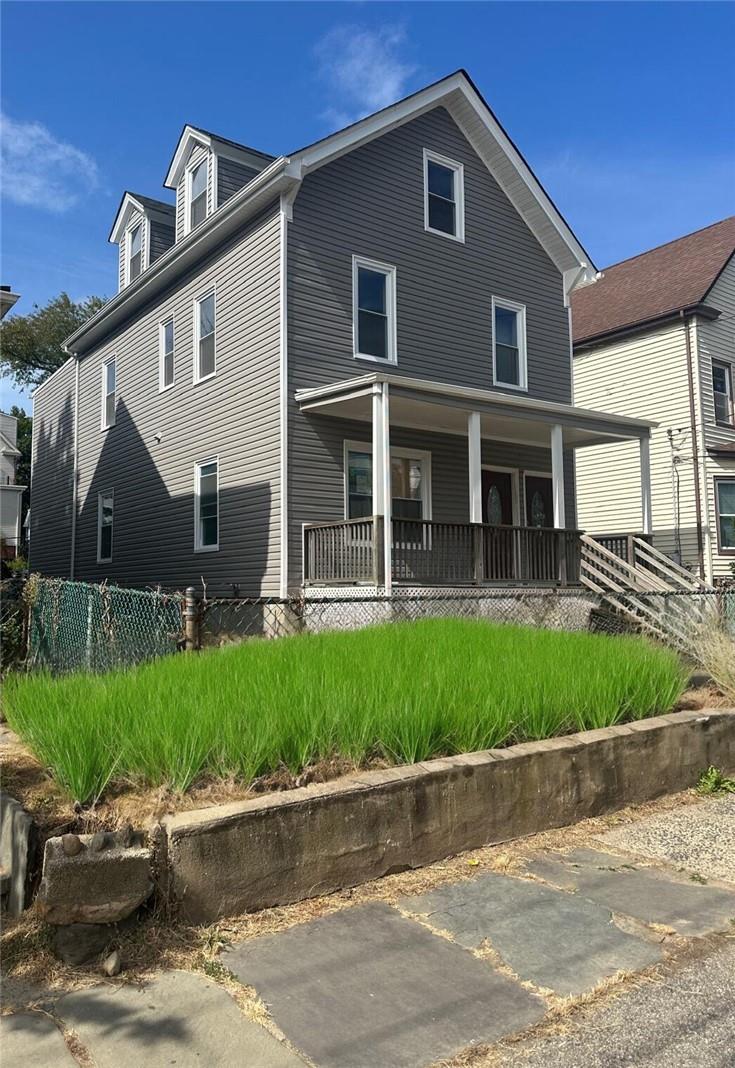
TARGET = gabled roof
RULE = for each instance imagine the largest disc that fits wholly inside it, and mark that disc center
(654, 285)
(146, 206)
(223, 146)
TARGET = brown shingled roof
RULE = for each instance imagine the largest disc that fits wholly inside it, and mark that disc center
(654, 284)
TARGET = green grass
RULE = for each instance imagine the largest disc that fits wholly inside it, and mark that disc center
(405, 691)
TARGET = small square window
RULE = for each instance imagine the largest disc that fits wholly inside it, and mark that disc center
(443, 196)
(509, 344)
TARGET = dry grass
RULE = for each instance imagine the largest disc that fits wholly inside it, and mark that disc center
(715, 652)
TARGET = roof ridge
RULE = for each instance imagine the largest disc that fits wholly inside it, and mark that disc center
(665, 244)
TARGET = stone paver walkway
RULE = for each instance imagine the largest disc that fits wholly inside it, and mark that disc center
(405, 985)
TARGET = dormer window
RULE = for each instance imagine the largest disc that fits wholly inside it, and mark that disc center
(198, 193)
(135, 252)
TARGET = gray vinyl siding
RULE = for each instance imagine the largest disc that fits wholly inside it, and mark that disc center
(370, 203)
(197, 153)
(162, 238)
(234, 416)
(231, 176)
(52, 473)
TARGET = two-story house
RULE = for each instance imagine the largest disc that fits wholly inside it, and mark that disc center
(655, 336)
(11, 494)
(346, 365)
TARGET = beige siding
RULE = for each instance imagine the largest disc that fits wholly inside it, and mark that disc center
(715, 340)
(644, 376)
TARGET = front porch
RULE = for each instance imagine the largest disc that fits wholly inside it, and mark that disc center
(396, 530)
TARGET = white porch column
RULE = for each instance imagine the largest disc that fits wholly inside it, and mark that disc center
(474, 444)
(557, 475)
(646, 513)
(386, 491)
(377, 449)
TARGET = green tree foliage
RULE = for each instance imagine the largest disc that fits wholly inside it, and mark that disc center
(31, 345)
(25, 427)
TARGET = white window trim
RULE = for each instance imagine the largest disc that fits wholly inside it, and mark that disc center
(198, 547)
(104, 425)
(390, 302)
(145, 243)
(520, 309)
(458, 169)
(515, 490)
(209, 292)
(421, 455)
(100, 558)
(189, 171)
(162, 387)
(730, 387)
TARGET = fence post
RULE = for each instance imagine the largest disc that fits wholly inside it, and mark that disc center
(191, 620)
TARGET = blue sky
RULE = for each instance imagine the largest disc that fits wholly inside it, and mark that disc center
(624, 110)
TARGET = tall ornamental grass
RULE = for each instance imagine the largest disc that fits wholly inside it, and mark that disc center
(402, 691)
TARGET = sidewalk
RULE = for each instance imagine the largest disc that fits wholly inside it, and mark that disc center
(471, 963)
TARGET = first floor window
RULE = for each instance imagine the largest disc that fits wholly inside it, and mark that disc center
(108, 393)
(509, 344)
(374, 311)
(725, 492)
(105, 513)
(167, 353)
(443, 196)
(198, 194)
(204, 327)
(723, 393)
(409, 491)
(135, 254)
(207, 505)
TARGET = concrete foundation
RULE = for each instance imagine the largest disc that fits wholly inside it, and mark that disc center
(286, 847)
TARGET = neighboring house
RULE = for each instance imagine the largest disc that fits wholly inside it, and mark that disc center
(347, 365)
(7, 299)
(11, 495)
(655, 336)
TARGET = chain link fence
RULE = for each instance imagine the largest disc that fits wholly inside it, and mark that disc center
(78, 626)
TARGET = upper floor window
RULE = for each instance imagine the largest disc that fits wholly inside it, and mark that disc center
(374, 310)
(108, 393)
(206, 515)
(205, 357)
(135, 251)
(105, 516)
(509, 344)
(725, 491)
(166, 342)
(443, 196)
(197, 178)
(723, 392)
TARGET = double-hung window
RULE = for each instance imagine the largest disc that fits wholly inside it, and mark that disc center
(443, 196)
(509, 344)
(166, 347)
(725, 495)
(206, 506)
(374, 310)
(410, 483)
(197, 207)
(135, 251)
(205, 357)
(105, 515)
(108, 393)
(723, 393)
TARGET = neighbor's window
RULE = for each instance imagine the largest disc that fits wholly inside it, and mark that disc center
(167, 353)
(725, 491)
(722, 388)
(108, 393)
(105, 511)
(374, 312)
(409, 493)
(206, 536)
(204, 334)
(198, 193)
(443, 196)
(135, 255)
(509, 344)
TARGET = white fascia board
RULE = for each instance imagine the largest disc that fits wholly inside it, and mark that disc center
(189, 138)
(128, 205)
(183, 255)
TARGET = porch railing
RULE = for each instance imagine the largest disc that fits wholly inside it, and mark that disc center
(439, 554)
(622, 545)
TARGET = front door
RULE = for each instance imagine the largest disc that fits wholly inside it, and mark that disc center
(539, 501)
(497, 498)
(539, 563)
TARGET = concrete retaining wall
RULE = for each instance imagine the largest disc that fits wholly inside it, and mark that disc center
(285, 847)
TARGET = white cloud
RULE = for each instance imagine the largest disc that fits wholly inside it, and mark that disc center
(39, 170)
(363, 69)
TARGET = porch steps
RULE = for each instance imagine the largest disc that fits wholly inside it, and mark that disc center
(649, 590)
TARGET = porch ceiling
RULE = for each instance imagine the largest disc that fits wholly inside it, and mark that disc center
(444, 408)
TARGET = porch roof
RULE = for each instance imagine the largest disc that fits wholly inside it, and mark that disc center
(438, 406)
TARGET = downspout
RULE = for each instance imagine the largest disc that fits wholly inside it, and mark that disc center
(75, 469)
(695, 446)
